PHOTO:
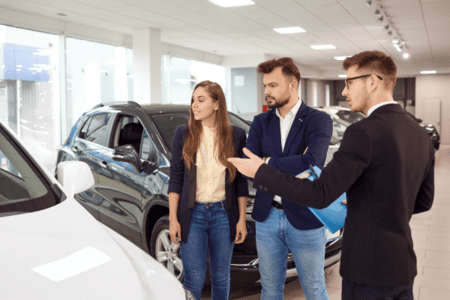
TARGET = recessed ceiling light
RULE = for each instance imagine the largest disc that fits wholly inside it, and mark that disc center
(405, 55)
(428, 72)
(340, 57)
(323, 47)
(343, 75)
(232, 3)
(398, 47)
(287, 30)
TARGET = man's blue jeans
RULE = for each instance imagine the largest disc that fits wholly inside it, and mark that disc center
(274, 238)
(209, 234)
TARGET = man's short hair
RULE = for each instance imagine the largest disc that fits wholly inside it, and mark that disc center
(287, 65)
(374, 62)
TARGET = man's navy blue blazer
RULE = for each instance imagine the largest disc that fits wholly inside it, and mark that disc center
(184, 182)
(311, 129)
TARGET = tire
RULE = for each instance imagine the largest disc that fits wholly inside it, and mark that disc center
(164, 250)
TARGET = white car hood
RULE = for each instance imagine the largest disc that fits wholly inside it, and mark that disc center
(63, 253)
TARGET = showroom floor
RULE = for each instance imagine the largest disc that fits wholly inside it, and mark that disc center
(431, 234)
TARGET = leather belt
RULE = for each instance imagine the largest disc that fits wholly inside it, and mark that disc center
(277, 205)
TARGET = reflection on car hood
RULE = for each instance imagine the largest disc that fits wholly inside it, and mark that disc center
(64, 253)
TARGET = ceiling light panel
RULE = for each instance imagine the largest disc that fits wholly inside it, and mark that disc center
(340, 57)
(428, 72)
(323, 47)
(289, 30)
(232, 3)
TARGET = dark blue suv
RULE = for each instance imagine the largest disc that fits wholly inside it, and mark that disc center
(128, 147)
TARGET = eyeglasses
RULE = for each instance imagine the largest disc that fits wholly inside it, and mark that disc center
(358, 77)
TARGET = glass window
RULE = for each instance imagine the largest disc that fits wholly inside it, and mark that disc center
(29, 89)
(97, 129)
(96, 73)
(182, 76)
(130, 81)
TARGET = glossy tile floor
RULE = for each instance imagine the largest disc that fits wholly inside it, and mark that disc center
(431, 235)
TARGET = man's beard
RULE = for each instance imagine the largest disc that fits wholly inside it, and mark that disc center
(277, 104)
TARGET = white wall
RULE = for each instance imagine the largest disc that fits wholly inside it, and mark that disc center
(437, 86)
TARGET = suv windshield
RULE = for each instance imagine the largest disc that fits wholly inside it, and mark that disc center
(167, 124)
(22, 188)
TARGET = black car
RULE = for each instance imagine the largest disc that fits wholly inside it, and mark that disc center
(128, 147)
(343, 117)
(431, 130)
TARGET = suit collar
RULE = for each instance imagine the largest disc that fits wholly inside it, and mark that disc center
(394, 107)
(373, 108)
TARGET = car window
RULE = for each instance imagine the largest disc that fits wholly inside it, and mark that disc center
(96, 131)
(21, 186)
(149, 151)
(84, 129)
(168, 123)
(238, 122)
(128, 131)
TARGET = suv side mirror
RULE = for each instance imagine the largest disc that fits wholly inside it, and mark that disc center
(149, 167)
(127, 153)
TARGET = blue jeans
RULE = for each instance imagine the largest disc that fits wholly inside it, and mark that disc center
(275, 236)
(209, 234)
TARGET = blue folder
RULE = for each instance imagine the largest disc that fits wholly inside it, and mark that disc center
(333, 216)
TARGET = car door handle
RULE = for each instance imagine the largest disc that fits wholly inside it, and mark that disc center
(75, 149)
(104, 164)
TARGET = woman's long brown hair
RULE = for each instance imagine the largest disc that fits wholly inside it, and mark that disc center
(224, 131)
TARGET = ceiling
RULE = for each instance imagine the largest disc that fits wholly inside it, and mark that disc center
(349, 25)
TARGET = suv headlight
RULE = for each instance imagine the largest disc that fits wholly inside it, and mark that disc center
(189, 295)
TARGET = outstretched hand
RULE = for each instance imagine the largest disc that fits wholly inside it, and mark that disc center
(247, 166)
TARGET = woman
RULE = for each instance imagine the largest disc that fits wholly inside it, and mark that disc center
(207, 195)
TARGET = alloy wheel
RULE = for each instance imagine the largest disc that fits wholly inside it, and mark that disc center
(168, 254)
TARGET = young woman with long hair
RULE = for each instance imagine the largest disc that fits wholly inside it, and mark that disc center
(207, 195)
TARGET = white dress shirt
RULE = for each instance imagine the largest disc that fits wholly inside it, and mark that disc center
(379, 105)
(285, 127)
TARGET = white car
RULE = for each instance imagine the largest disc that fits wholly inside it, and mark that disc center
(52, 248)
(342, 117)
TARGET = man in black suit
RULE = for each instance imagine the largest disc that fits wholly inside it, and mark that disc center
(386, 165)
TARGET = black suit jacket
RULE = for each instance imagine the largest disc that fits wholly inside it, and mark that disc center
(310, 129)
(184, 182)
(386, 165)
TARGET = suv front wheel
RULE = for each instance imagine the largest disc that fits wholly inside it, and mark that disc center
(164, 250)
